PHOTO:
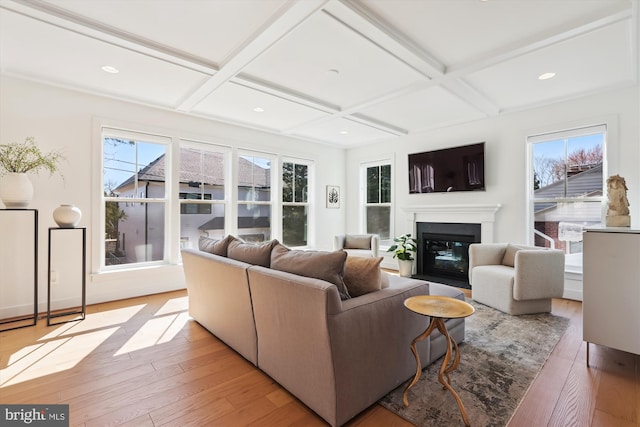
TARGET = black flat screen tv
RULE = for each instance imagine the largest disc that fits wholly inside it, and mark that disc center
(447, 170)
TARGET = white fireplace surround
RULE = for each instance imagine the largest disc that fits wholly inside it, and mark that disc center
(467, 214)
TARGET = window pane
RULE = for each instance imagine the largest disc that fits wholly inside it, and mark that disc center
(548, 166)
(373, 184)
(584, 166)
(119, 160)
(294, 225)
(134, 232)
(254, 222)
(254, 179)
(385, 184)
(202, 173)
(207, 222)
(287, 182)
(301, 180)
(560, 225)
(379, 220)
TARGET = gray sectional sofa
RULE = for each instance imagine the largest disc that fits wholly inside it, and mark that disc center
(337, 355)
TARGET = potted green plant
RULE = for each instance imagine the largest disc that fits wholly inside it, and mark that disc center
(404, 248)
(17, 159)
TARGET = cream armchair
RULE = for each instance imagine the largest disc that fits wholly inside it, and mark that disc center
(515, 279)
(362, 245)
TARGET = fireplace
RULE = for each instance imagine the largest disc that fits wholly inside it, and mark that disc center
(443, 251)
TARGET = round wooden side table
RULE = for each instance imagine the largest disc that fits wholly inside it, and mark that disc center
(439, 308)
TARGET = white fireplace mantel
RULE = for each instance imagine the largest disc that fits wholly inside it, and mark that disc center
(469, 214)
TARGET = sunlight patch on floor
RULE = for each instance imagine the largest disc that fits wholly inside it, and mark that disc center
(155, 331)
(52, 356)
(174, 305)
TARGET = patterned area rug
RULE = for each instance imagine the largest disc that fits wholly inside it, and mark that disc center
(500, 358)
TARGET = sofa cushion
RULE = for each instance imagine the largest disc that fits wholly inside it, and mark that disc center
(214, 246)
(327, 266)
(251, 253)
(357, 241)
(362, 275)
(509, 258)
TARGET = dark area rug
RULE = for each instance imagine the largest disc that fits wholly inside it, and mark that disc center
(500, 357)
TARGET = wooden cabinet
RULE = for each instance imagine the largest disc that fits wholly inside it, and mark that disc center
(611, 298)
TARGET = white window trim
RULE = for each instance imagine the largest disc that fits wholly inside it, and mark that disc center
(310, 197)
(607, 124)
(362, 223)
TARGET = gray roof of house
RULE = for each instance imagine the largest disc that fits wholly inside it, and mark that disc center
(250, 174)
(587, 183)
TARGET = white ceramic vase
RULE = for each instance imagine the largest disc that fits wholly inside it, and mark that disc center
(405, 267)
(67, 216)
(16, 190)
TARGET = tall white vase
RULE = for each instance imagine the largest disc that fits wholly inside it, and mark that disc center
(16, 190)
(405, 267)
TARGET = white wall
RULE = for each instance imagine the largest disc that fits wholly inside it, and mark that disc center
(64, 119)
(506, 158)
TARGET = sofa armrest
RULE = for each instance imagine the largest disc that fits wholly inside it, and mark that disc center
(338, 242)
(370, 343)
(485, 254)
(338, 357)
(218, 290)
(539, 274)
(375, 245)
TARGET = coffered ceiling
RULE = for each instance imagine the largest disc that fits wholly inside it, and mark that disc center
(341, 72)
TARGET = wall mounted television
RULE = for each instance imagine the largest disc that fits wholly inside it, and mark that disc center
(447, 170)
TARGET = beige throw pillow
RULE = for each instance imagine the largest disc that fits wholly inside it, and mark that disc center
(362, 275)
(251, 253)
(509, 258)
(327, 266)
(214, 246)
(357, 241)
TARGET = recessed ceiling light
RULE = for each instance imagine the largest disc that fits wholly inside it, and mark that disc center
(259, 110)
(109, 69)
(546, 76)
(344, 132)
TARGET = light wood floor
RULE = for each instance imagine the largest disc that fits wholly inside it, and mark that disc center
(143, 362)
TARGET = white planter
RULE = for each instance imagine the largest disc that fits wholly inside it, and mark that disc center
(405, 268)
(67, 216)
(16, 190)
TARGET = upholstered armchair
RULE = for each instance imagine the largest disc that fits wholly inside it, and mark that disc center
(515, 279)
(362, 245)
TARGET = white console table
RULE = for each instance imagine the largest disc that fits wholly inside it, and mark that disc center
(611, 294)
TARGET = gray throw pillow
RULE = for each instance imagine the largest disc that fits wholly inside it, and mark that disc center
(327, 266)
(214, 246)
(251, 253)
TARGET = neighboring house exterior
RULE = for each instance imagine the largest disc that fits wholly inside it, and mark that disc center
(563, 222)
(141, 232)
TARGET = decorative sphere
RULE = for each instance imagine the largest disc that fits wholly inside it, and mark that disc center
(67, 216)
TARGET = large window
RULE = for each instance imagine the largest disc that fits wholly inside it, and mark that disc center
(201, 192)
(295, 203)
(134, 197)
(567, 185)
(254, 197)
(162, 193)
(377, 206)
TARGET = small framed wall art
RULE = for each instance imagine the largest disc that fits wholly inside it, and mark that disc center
(333, 196)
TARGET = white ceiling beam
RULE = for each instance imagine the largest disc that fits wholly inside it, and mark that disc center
(362, 20)
(58, 17)
(292, 15)
(549, 38)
